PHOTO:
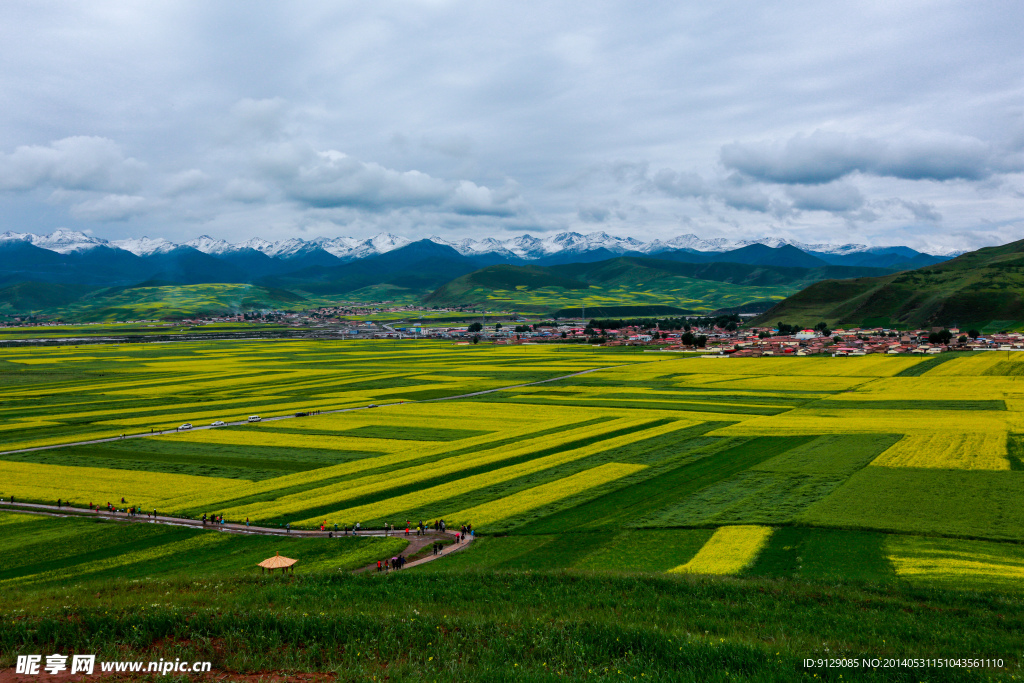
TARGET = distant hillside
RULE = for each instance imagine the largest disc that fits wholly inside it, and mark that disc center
(785, 256)
(631, 281)
(973, 289)
(177, 301)
(26, 297)
(417, 268)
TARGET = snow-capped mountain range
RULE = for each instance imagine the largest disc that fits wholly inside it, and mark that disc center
(523, 247)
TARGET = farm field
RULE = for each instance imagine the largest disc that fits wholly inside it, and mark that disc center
(651, 441)
(871, 477)
(682, 292)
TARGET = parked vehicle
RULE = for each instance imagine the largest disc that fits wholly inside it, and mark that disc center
(301, 414)
(255, 418)
(219, 423)
(372, 405)
(187, 425)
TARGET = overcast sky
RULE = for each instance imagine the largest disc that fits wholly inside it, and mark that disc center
(872, 122)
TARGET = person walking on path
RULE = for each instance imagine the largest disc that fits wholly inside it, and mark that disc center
(247, 521)
(288, 526)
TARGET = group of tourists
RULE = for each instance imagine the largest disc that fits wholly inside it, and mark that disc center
(215, 519)
(389, 565)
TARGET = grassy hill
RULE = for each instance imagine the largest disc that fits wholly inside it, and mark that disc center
(162, 301)
(629, 281)
(31, 296)
(976, 289)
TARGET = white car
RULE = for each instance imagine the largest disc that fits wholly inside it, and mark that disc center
(187, 425)
(255, 418)
(219, 423)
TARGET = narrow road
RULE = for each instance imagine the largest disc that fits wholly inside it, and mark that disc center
(415, 542)
(143, 435)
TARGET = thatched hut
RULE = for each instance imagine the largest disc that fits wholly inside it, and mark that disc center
(278, 562)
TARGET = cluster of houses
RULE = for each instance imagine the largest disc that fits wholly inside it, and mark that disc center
(702, 335)
(755, 342)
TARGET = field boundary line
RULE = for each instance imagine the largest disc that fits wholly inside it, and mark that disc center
(143, 435)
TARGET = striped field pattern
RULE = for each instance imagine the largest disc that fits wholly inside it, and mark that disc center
(642, 443)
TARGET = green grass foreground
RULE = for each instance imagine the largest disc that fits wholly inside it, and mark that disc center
(499, 626)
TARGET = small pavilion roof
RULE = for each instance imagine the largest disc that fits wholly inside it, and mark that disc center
(277, 562)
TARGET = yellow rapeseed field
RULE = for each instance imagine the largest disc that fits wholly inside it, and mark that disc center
(976, 364)
(858, 421)
(957, 562)
(874, 365)
(83, 485)
(730, 550)
(950, 450)
(338, 494)
(509, 506)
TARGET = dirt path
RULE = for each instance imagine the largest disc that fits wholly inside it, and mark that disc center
(415, 542)
(143, 435)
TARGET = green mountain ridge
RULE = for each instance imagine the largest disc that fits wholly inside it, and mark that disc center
(973, 289)
(633, 281)
(423, 276)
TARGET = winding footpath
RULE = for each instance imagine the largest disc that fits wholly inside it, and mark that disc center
(416, 543)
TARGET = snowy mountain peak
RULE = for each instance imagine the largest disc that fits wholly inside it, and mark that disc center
(526, 247)
(208, 245)
(257, 243)
(63, 241)
(145, 246)
(385, 242)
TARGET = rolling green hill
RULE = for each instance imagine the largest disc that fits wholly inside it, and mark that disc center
(629, 281)
(974, 289)
(176, 301)
(32, 296)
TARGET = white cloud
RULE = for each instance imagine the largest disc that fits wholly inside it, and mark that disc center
(823, 157)
(186, 181)
(471, 199)
(73, 163)
(245, 190)
(332, 179)
(835, 197)
(111, 207)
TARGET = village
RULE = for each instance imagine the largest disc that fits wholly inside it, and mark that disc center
(724, 335)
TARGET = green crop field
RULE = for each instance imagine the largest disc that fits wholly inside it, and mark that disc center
(684, 292)
(815, 496)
